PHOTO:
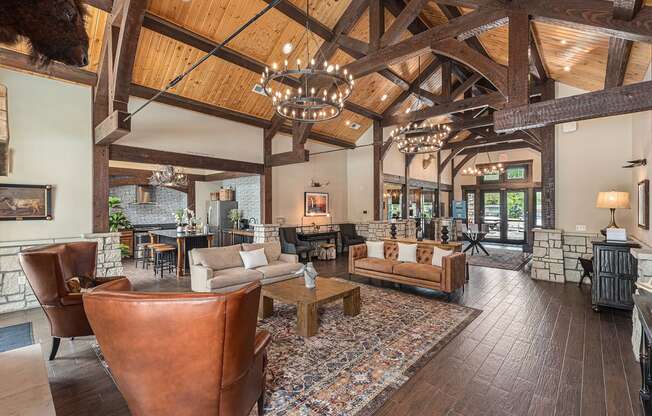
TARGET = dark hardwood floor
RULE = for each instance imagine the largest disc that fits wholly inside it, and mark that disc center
(536, 349)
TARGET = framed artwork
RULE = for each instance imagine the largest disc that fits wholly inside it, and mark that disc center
(644, 204)
(315, 204)
(25, 202)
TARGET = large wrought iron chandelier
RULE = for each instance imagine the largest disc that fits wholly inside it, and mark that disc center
(168, 176)
(488, 169)
(424, 137)
(320, 91)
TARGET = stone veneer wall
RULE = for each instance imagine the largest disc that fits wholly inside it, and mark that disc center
(264, 233)
(555, 254)
(15, 292)
(167, 202)
(377, 230)
(644, 260)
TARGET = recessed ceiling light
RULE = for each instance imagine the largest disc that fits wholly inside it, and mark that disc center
(347, 122)
(563, 41)
(407, 110)
(288, 48)
(355, 126)
(567, 68)
(384, 97)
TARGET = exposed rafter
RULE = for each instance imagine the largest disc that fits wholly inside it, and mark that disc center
(620, 49)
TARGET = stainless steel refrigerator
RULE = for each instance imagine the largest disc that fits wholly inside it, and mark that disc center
(218, 213)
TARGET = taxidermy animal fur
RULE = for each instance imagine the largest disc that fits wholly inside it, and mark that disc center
(54, 29)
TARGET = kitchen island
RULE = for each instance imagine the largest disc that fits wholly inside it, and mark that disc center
(184, 241)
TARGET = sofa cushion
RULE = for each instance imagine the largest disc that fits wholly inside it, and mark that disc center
(279, 268)
(254, 258)
(376, 265)
(375, 249)
(218, 258)
(233, 276)
(438, 255)
(272, 249)
(407, 252)
(419, 271)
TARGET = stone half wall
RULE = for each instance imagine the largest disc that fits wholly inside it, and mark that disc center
(15, 292)
(555, 254)
(377, 230)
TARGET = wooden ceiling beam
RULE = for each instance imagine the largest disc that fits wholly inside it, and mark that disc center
(478, 141)
(518, 70)
(402, 22)
(536, 57)
(146, 173)
(376, 24)
(222, 176)
(425, 74)
(466, 25)
(159, 157)
(613, 101)
(299, 16)
(20, 61)
(452, 12)
(288, 158)
(499, 147)
(467, 158)
(620, 49)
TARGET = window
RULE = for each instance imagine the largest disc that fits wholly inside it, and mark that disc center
(470, 207)
(491, 177)
(516, 173)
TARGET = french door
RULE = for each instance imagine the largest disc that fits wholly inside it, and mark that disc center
(504, 214)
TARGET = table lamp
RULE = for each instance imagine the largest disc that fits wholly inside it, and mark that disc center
(612, 200)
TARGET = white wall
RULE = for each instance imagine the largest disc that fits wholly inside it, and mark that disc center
(588, 161)
(360, 177)
(50, 142)
(641, 149)
(178, 130)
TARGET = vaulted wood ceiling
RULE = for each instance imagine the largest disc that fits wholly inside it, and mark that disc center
(218, 82)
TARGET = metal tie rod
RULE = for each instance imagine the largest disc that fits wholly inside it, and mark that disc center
(178, 79)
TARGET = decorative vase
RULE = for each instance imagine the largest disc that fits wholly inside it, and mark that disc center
(392, 230)
(310, 275)
(444, 234)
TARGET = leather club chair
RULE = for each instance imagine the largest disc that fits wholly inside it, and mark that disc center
(182, 353)
(291, 244)
(350, 236)
(47, 269)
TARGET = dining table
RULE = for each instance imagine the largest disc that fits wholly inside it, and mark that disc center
(184, 242)
(475, 241)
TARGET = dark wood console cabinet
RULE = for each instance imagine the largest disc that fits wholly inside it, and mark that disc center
(615, 272)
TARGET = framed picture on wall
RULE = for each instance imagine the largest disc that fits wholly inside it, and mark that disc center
(315, 204)
(25, 202)
(644, 204)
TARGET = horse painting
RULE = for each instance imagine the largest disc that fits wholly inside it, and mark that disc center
(55, 29)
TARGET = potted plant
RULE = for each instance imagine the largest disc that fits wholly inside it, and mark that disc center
(234, 217)
(117, 219)
(179, 217)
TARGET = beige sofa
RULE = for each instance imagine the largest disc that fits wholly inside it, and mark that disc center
(220, 269)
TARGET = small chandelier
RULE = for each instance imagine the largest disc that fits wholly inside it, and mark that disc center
(490, 169)
(168, 176)
(322, 91)
(420, 137)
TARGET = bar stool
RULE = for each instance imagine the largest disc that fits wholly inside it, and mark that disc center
(141, 254)
(164, 257)
(150, 257)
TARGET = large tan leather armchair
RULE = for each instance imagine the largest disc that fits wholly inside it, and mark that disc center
(47, 269)
(182, 353)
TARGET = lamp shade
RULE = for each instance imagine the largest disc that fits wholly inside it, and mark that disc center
(613, 199)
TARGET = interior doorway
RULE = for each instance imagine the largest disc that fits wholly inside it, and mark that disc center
(505, 214)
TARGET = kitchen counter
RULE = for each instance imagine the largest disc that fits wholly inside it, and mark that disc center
(184, 242)
(184, 234)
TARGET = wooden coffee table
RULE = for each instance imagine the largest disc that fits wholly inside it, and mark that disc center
(295, 292)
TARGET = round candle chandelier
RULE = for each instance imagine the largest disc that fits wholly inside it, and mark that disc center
(488, 169)
(168, 176)
(321, 89)
(424, 137)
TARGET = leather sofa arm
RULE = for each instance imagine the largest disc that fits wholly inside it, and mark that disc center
(199, 276)
(454, 270)
(289, 258)
(71, 299)
(358, 251)
(263, 339)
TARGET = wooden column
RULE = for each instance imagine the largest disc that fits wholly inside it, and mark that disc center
(100, 175)
(519, 62)
(266, 182)
(547, 135)
(190, 196)
(452, 194)
(378, 170)
(406, 187)
(439, 168)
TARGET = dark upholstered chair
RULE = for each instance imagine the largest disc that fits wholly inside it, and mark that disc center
(47, 269)
(349, 236)
(291, 244)
(182, 353)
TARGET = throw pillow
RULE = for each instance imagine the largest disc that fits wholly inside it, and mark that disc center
(375, 249)
(407, 252)
(438, 255)
(254, 258)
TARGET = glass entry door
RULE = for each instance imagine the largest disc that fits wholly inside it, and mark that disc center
(492, 203)
(504, 215)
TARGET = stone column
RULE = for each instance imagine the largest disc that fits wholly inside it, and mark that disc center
(548, 255)
(576, 245)
(265, 233)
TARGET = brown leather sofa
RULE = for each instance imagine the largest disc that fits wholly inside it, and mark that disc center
(448, 278)
(182, 353)
(47, 269)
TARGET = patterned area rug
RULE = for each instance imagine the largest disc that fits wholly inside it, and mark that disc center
(16, 336)
(499, 258)
(354, 364)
